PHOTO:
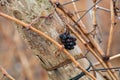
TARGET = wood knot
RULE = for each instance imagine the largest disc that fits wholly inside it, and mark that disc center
(17, 14)
(105, 58)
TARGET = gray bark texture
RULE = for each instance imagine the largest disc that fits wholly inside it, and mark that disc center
(27, 11)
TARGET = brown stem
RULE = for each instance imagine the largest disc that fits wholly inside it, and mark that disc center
(5, 73)
(111, 36)
(94, 14)
(111, 29)
(113, 71)
(75, 8)
(103, 63)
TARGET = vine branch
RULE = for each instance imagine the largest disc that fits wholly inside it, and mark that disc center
(5, 73)
(111, 35)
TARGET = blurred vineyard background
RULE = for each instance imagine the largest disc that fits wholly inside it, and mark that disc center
(15, 57)
(19, 62)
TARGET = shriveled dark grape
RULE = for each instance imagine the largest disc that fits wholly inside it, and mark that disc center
(63, 36)
(71, 43)
(68, 41)
(63, 41)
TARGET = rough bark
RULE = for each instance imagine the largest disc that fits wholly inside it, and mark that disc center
(28, 10)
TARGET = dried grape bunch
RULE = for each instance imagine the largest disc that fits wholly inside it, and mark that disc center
(68, 40)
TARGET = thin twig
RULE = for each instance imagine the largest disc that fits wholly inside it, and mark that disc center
(79, 11)
(50, 39)
(110, 66)
(111, 35)
(93, 32)
(104, 69)
(111, 58)
(75, 8)
(94, 14)
(69, 2)
(115, 56)
(5, 73)
(102, 8)
(87, 11)
(102, 62)
(98, 8)
(111, 29)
